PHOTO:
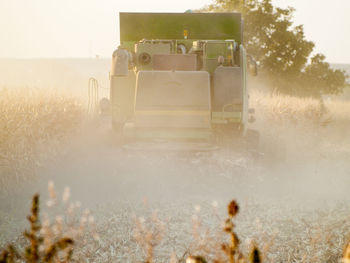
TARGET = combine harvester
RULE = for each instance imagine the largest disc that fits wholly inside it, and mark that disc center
(181, 77)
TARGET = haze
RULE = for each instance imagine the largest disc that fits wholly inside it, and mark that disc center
(65, 28)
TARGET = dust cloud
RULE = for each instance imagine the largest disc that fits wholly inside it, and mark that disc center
(305, 166)
(302, 169)
(277, 194)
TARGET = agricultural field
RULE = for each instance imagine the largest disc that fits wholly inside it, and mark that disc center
(123, 206)
(206, 131)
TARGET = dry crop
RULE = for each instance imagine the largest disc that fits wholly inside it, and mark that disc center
(283, 118)
(284, 110)
(33, 123)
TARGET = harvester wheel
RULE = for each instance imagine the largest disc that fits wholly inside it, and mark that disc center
(105, 106)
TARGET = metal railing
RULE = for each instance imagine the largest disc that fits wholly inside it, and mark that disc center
(93, 97)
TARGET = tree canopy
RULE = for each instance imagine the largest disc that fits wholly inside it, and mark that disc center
(283, 53)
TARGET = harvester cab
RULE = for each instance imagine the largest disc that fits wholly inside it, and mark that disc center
(180, 76)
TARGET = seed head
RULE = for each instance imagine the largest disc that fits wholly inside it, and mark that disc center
(255, 255)
(232, 208)
(66, 194)
(195, 259)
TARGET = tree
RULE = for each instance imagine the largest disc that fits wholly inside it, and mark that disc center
(282, 50)
(319, 76)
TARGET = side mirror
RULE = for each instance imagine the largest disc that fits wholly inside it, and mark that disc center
(120, 62)
(252, 66)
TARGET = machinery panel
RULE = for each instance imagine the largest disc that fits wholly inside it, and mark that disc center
(178, 62)
(144, 53)
(173, 99)
(122, 97)
(227, 88)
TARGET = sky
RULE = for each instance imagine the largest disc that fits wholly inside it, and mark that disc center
(86, 28)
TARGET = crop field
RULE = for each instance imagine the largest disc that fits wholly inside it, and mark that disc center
(125, 206)
(33, 123)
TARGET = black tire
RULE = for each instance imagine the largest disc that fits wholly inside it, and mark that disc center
(105, 106)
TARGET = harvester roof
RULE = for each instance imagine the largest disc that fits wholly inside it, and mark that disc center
(198, 26)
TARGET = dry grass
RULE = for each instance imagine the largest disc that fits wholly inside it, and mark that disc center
(283, 110)
(287, 111)
(339, 110)
(302, 123)
(33, 124)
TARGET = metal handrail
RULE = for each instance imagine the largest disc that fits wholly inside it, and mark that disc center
(93, 96)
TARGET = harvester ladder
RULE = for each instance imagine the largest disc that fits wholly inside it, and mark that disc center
(93, 96)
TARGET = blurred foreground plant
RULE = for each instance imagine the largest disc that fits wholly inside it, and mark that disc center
(149, 233)
(207, 246)
(346, 254)
(231, 250)
(52, 236)
(53, 242)
(60, 250)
